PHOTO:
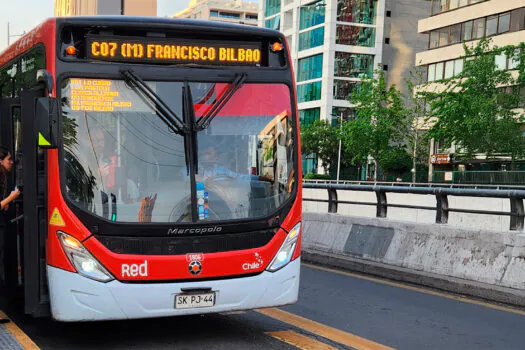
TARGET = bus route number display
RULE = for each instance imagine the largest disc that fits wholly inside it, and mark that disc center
(170, 52)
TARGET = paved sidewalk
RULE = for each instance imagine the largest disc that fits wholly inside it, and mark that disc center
(13, 338)
(8, 340)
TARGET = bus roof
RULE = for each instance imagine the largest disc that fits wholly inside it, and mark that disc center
(39, 33)
(163, 22)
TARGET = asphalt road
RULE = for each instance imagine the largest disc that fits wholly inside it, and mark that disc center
(335, 310)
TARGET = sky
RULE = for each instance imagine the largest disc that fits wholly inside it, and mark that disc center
(23, 15)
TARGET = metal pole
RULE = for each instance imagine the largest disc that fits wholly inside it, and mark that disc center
(339, 154)
(430, 165)
(414, 158)
(9, 35)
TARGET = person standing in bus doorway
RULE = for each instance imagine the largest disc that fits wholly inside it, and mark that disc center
(6, 165)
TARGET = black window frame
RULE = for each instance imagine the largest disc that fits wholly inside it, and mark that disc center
(473, 36)
(463, 30)
(509, 23)
(493, 21)
(453, 62)
(447, 6)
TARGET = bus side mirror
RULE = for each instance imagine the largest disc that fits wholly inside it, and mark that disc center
(45, 78)
(47, 122)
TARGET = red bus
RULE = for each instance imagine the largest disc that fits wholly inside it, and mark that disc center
(159, 166)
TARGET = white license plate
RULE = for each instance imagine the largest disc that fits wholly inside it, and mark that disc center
(187, 300)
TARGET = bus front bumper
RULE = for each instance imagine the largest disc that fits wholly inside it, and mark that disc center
(77, 298)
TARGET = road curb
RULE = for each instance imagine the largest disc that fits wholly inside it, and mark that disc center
(450, 284)
(12, 337)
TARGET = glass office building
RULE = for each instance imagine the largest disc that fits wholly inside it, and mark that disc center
(337, 43)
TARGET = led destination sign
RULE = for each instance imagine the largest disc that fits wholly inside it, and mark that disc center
(165, 51)
(101, 95)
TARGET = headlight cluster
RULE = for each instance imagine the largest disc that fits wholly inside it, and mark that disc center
(82, 260)
(285, 253)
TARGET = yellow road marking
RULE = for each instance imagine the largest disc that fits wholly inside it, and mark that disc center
(300, 341)
(421, 290)
(22, 338)
(322, 330)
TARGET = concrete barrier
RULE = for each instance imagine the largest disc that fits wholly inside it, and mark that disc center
(481, 263)
(462, 220)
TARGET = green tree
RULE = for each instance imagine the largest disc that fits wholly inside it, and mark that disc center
(322, 139)
(380, 123)
(476, 109)
(396, 161)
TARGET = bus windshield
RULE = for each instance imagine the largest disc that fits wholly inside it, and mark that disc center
(122, 162)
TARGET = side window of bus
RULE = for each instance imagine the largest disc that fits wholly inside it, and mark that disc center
(7, 84)
(21, 72)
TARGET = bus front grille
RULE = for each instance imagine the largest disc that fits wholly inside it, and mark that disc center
(183, 245)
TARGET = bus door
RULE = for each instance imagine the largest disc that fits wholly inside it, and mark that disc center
(9, 112)
(29, 214)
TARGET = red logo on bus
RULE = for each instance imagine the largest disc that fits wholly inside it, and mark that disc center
(195, 267)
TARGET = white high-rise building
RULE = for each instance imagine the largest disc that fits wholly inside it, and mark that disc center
(335, 43)
(230, 11)
(450, 24)
(105, 7)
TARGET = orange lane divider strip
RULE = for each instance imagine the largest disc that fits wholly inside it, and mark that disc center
(322, 330)
(300, 341)
(22, 338)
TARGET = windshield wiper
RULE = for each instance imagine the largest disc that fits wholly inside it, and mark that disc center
(190, 146)
(164, 112)
(205, 121)
(190, 139)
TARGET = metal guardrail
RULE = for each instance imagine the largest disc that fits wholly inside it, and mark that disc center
(417, 184)
(516, 196)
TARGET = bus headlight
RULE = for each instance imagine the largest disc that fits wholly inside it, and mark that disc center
(285, 253)
(82, 260)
